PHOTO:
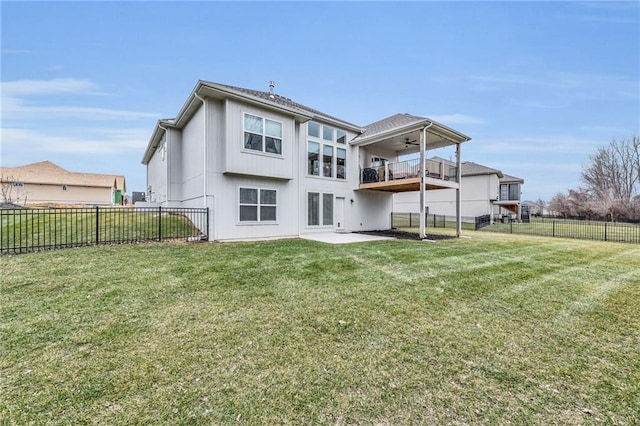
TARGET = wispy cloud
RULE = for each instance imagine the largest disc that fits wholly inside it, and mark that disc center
(18, 110)
(48, 87)
(555, 89)
(550, 144)
(17, 101)
(75, 141)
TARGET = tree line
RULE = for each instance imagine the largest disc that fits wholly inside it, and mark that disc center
(611, 182)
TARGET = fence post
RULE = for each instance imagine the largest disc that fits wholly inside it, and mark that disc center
(97, 225)
(207, 228)
(553, 232)
(159, 223)
(510, 226)
(605, 231)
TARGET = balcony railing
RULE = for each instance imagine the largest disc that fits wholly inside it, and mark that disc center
(408, 169)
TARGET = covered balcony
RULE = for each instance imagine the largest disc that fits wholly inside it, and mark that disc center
(385, 151)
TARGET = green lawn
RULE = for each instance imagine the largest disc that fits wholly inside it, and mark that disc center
(495, 329)
(27, 230)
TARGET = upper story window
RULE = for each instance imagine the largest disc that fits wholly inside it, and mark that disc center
(262, 134)
(324, 153)
(509, 191)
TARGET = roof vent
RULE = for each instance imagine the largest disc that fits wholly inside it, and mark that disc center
(272, 85)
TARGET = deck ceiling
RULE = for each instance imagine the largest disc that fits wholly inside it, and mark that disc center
(409, 142)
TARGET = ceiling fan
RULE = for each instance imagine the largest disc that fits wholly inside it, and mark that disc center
(407, 142)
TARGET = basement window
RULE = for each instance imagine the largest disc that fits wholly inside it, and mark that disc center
(258, 205)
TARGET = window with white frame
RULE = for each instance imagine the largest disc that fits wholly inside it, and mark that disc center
(319, 209)
(258, 205)
(313, 158)
(327, 160)
(323, 149)
(262, 134)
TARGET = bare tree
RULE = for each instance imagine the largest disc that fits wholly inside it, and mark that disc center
(10, 189)
(559, 205)
(613, 178)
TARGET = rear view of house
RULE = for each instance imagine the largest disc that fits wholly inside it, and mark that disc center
(268, 167)
(47, 183)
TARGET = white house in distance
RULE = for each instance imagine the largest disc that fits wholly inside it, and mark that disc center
(268, 167)
(485, 191)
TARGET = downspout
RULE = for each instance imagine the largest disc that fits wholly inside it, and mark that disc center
(423, 175)
(458, 198)
(166, 157)
(204, 164)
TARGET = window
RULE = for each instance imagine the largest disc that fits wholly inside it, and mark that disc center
(319, 206)
(257, 205)
(313, 129)
(313, 209)
(378, 161)
(509, 191)
(262, 134)
(327, 209)
(327, 161)
(341, 163)
(514, 191)
(323, 142)
(313, 161)
(327, 133)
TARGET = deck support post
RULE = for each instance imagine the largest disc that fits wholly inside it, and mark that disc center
(423, 216)
(458, 202)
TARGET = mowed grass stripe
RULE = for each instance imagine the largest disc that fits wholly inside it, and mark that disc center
(297, 332)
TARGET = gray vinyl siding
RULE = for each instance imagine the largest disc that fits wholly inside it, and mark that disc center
(241, 161)
(174, 165)
(226, 210)
(157, 176)
(192, 158)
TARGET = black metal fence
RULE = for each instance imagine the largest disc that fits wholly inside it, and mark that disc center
(412, 220)
(579, 229)
(27, 230)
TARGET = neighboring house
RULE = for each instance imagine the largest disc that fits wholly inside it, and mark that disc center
(45, 182)
(485, 191)
(268, 167)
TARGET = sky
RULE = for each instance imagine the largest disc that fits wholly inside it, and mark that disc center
(538, 86)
